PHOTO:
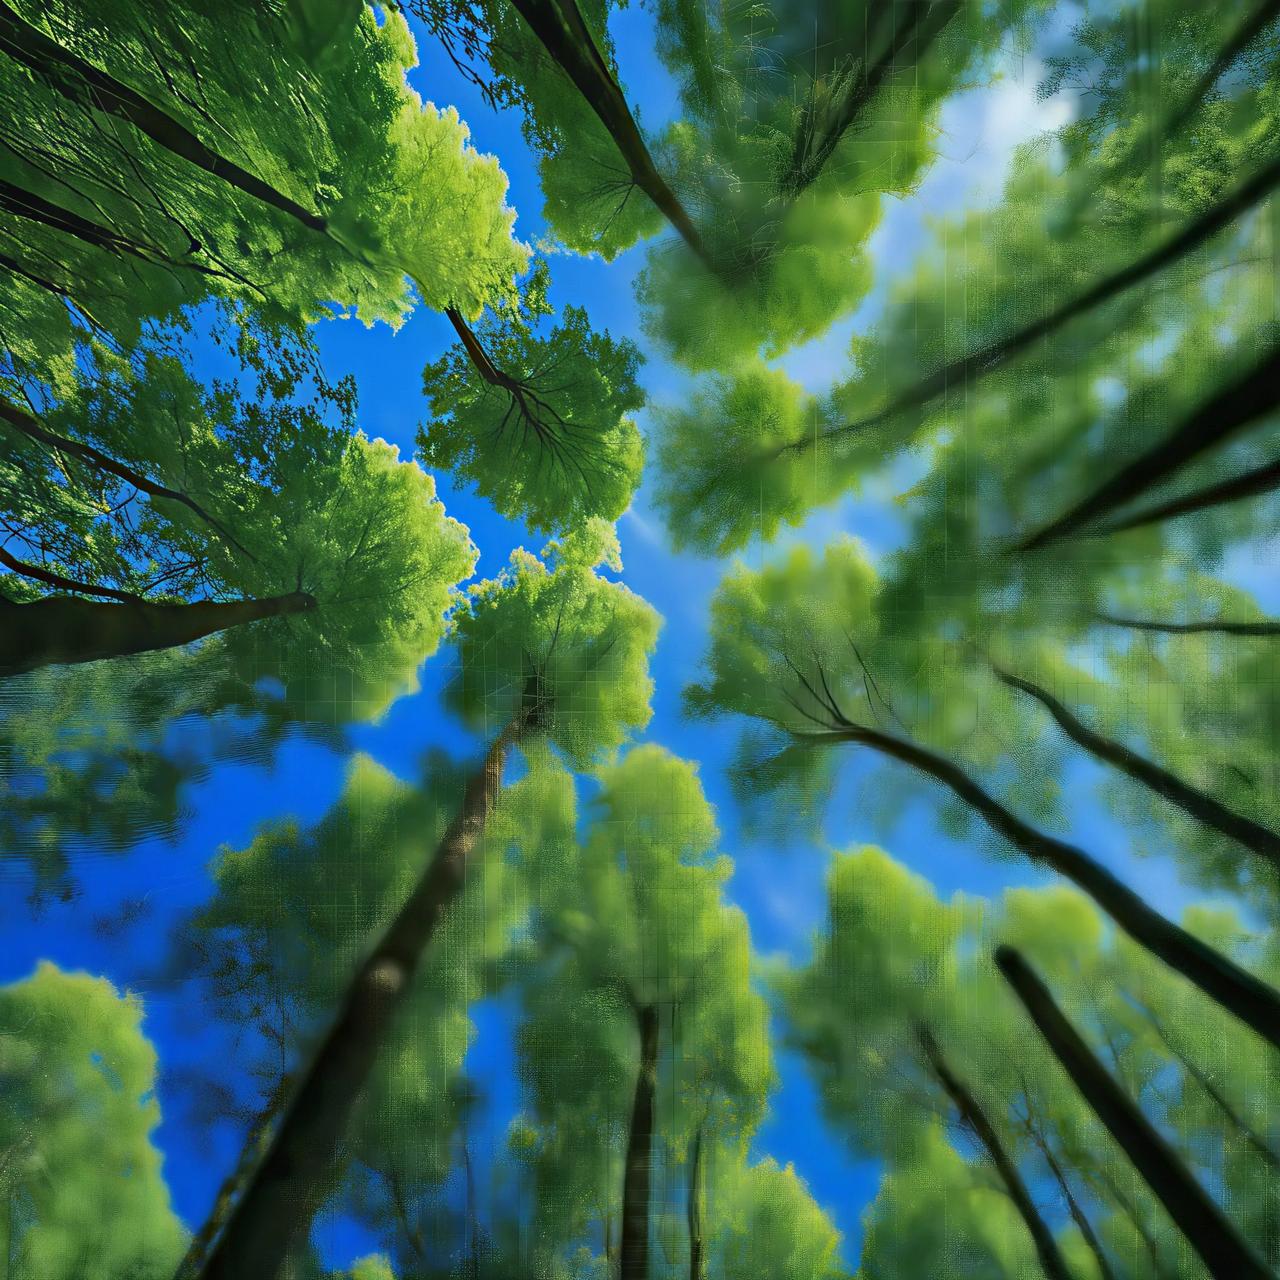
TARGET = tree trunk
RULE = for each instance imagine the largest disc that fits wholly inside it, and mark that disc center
(1252, 484)
(276, 1209)
(693, 1207)
(633, 1253)
(86, 85)
(1221, 1247)
(1214, 421)
(977, 1121)
(1266, 627)
(1201, 806)
(1235, 989)
(68, 629)
(968, 368)
(565, 36)
(30, 427)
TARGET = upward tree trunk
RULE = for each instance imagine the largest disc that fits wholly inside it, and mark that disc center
(633, 1253)
(1225, 1252)
(1251, 484)
(68, 629)
(1252, 835)
(564, 34)
(86, 85)
(277, 1206)
(1231, 409)
(973, 365)
(1266, 627)
(693, 1207)
(975, 1118)
(1238, 991)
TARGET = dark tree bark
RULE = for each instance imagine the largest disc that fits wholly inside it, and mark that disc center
(633, 1253)
(693, 1207)
(1200, 805)
(86, 85)
(566, 37)
(1235, 989)
(1224, 1251)
(1266, 627)
(968, 368)
(68, 629)
(1230, 410)
(1252, 484)
(921, 28)
(280, 1200)
(29, 426)
(975, 1118)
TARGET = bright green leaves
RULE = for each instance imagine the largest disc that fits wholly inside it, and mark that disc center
(553, 636)
(128, 228)
(83, 1193)
(538, 417)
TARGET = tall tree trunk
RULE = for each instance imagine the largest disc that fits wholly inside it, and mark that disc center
(633, 1253)
(1201, 806)
(968, 368)
(1231, 409)
(566, 37)
(86, 85)
(1250, 484)
(1223, 1250)
(1238, 991)
(1265, 627)
(280, 1200)
(693, 1207)
(30, 427)
(68, 629)
(974, 1118)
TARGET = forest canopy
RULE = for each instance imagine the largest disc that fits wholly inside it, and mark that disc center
(639, 641)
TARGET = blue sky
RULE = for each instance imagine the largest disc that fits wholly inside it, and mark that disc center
(779, 888)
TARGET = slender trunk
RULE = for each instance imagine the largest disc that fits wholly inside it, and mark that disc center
(1130, 1211)
(1201, 806)
(975, 1118)
(35, 208)
(1238, 991)
(67, 629)
(633, 1254)
(276, 1209)
(922, 28)
(1074, 1207)
(86, 85)
(233, 1184)
(476, 353)
(1231, 409)
(968, 368)
(1215, 1095)
(1266, 627)
(564, 34)
(1221, 1247)
(693, 1207)
(473, 1220)
(29, 426)
(1252, 484)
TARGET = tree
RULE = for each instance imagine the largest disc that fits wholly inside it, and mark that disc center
(160, 154)
(84, 1195)
(643, 1040)
(330, 528)
(539, 423)
(579, 680)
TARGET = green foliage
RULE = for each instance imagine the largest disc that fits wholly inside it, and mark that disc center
(85, 1198)
(552, 632)
(543, 429)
